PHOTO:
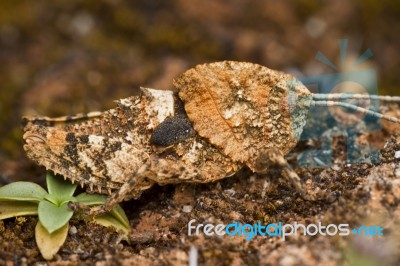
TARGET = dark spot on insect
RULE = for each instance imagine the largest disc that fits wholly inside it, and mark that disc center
(72, 152)
(38, 121)
(88, 173)
(128, 141)
(178, 105)
(172, 130)
(65, 164)
(84, 139)
(115, 146)
(24, 121)
(107, 155)
(71, 138)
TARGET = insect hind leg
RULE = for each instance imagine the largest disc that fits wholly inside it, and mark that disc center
(116, 198)
(274, 157)
(131, 189)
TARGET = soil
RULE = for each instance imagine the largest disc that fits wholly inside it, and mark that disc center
(68, 57)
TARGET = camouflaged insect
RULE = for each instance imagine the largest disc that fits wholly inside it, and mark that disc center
(226, 115)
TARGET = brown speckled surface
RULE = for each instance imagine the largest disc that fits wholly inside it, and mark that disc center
(68, 57)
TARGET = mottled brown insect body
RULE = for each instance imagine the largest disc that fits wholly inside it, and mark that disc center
(243, 108)
(234, 114)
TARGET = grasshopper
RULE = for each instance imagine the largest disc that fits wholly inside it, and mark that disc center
(222, 117)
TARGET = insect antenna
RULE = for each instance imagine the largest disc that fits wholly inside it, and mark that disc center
(356, 109)
(342, 96)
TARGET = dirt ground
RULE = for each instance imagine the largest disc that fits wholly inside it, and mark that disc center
(63, 58)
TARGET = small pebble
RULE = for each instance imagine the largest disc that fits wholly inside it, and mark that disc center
(397, 172)
(231, 192)
(73, 230)
(187, 208)
(397, 154)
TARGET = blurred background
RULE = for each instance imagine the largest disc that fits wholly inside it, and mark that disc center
(65, 57)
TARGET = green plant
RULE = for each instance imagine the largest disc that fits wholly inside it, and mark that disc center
(27, 198)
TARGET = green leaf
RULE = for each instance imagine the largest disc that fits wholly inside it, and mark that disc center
(120, 215)
(53, 199)
(91, 199)
(60, 188)
(66, 200)
(49, 244)
(58, 202)
(22, 191)
(96, 199)
(109, 220)
(53, 217)
(17, 208)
